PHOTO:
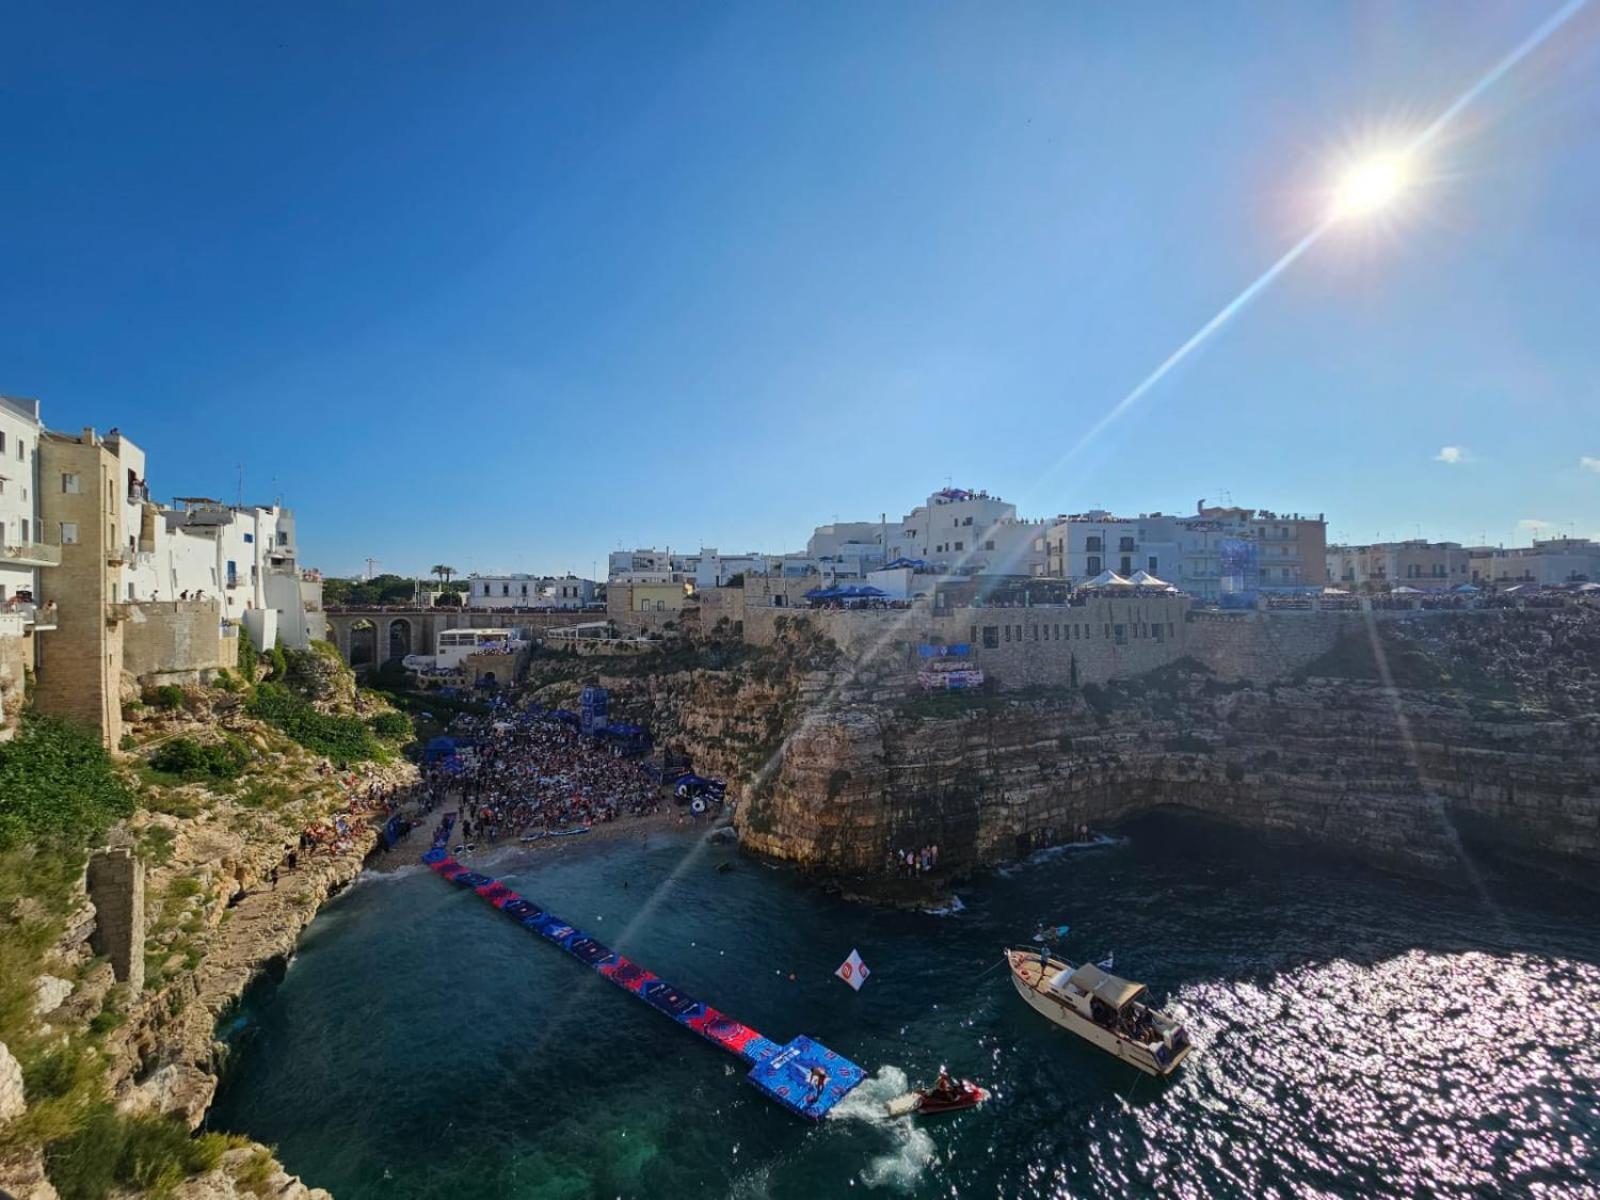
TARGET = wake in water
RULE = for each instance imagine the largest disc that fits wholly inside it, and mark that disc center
(1100, 841)
(912, 1150)
(404, 871)
(947, 910)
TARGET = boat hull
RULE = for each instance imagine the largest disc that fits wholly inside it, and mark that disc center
(1062, 1014)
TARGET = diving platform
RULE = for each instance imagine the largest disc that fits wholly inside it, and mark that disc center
(787, 1074)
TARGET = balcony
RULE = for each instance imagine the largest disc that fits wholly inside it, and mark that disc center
(31, 554)
(35, 617)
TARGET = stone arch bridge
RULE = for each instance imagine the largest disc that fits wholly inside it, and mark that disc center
(367, 636)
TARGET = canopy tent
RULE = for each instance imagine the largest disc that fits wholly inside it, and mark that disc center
(862, 592)
(916, 564)
(1146, 580)
(1588, 587)
(1465, 589)
(824, 593)
(1108, 579)
(1407, 591)
(1108, 988)
(1333, 591)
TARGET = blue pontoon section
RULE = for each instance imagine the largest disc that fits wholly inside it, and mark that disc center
(787, 1077)
(803, 1076)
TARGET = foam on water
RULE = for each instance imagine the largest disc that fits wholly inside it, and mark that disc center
(947, 910)
(910, 1150)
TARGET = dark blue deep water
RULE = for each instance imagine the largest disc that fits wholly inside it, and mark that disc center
(1358, 1034)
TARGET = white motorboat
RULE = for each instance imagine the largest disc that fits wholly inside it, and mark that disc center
(1101, 1008)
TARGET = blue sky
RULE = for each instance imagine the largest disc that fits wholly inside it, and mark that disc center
(508, 286)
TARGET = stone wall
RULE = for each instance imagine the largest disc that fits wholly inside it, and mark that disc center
(176, 641)
(1041, 646)
(16, 657)
(116, 888)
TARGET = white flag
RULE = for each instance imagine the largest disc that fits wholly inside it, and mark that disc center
(853, 971)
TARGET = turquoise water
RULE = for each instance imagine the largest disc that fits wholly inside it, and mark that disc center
(1357, 1034)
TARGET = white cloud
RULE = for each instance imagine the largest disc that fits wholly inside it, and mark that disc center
(1590, 463)
(1453, 455)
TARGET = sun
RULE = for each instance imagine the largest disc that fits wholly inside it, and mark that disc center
(1370, 185)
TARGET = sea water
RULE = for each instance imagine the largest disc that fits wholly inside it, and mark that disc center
(1356, 1034)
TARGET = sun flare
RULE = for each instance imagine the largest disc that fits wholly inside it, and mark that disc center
(1370, 185)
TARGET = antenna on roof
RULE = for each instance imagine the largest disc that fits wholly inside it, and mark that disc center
(241, 484)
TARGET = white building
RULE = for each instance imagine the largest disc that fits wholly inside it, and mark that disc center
(970, 532)
(529, 591)
(245, 558)
(1207, 554)
(1549, 562)
(23, 548)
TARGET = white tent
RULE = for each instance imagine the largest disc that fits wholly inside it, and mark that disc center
(1146, 580)
(1407, 591)
(1589, 587)
(1333, 591)
(1108, 579)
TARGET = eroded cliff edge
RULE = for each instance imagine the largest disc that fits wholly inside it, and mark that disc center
(1407, 745)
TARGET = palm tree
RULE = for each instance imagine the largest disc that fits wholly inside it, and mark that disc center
(443, 572)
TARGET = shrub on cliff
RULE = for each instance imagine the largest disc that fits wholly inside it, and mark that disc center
(191, 760)
(391, 726)
(149, 1153)
(247, 659)
(346, 739)
(57, 784)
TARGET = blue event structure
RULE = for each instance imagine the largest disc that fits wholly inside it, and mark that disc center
(803, 1075)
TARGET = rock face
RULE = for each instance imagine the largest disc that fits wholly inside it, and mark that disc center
(165, 1058)
(1503, 754)
(11, 1098)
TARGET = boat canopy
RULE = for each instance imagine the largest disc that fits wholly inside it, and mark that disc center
(1116, 992)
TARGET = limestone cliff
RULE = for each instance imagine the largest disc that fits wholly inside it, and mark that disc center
(1489, 738)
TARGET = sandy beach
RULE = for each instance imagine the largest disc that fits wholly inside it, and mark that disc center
(409, 850)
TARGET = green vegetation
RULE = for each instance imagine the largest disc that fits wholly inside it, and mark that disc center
(168, 696)
(391, 726)
(189, 759)
(247, 658)
(346, 738)
(279, 661)
(149, 1153)
(57, 786)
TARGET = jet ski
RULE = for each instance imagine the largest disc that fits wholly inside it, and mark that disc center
(930, 1102)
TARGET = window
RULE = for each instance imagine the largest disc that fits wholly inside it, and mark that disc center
(960, 546)
(1127, 564)
(989, 545)
(991, 637)
(249, 537)
(2, 441)
(1151, 567)
(69, 484)
(1093, 564)
(1094, 543)
(1125, 544)
(1008, 633)
(21, 450)
(1121, 634)
(69, 533)
(233, 573)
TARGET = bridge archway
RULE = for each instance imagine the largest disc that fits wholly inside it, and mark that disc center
(399, 640)
(363, 647)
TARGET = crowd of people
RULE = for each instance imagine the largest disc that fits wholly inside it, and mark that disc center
(520, 779)
(921, 861)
